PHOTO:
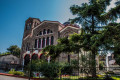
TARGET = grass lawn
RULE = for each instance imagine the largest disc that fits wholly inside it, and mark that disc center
(100, 77)
(116, 77)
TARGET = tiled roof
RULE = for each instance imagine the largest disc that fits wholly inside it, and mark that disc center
(70, 25)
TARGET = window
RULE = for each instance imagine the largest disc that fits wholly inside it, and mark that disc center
(35, 46)
(35, 24)
(27, 46)
(52, 40)
(48, 31)
(27, 27)
(47, 41)
(40, 33)
(39, 43)
(51, 32)
(43, 43)
(68, 58)
(44, 31)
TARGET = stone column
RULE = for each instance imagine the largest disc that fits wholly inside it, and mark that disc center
(23, 61)
(22, 64)
(37, 42)
(46, 31)
(49, 59)
(41, 43)
(49, 40)
(45, 42)
(42, 32)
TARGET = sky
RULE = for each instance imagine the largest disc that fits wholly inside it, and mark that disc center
(13, 14)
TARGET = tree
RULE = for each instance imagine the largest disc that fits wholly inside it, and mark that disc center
(90, 15)
(111, 39)
(14, 49)
(114, 13)
(4, 53)
(64, 45)
(53, 51)
(68, 46)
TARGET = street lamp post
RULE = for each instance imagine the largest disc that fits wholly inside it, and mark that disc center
(30, 61)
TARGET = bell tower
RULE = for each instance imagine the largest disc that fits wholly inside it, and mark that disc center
(30, 23)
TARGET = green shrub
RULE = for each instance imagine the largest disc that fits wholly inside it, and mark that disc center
(18, 73)
(67, 69)
(75, 64)
(101, 65)
(49, 70)
(107, 77)
(110, 72)
(12, 71)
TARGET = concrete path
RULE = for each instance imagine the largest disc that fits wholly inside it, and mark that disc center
(3, 77)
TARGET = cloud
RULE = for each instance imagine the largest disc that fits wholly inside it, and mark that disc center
(112, 5)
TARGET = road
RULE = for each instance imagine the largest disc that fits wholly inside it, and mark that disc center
(2, 77)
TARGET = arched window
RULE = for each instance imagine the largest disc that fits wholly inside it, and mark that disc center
(28, 26)
(27, 46)
(35, 46)
(44, 31)
(40, 33)
(68, 58)
(43, 44)
(47, 41)
(52, 40)
(48, 31)
(39, 43)
(35, 24)
(51, 31)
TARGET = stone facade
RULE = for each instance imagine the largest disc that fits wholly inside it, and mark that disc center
(38, 35)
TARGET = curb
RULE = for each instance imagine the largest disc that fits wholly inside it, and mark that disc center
(13, 75)
(20, 76)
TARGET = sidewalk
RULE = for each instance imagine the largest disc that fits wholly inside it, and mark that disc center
(3, 77)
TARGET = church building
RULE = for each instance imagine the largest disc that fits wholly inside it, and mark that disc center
(39, 34)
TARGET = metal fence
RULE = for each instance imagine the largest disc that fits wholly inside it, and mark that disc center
(85, 74)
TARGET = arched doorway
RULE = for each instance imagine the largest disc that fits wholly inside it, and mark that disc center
(34, 56)
(26, 59)
(42, 57)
